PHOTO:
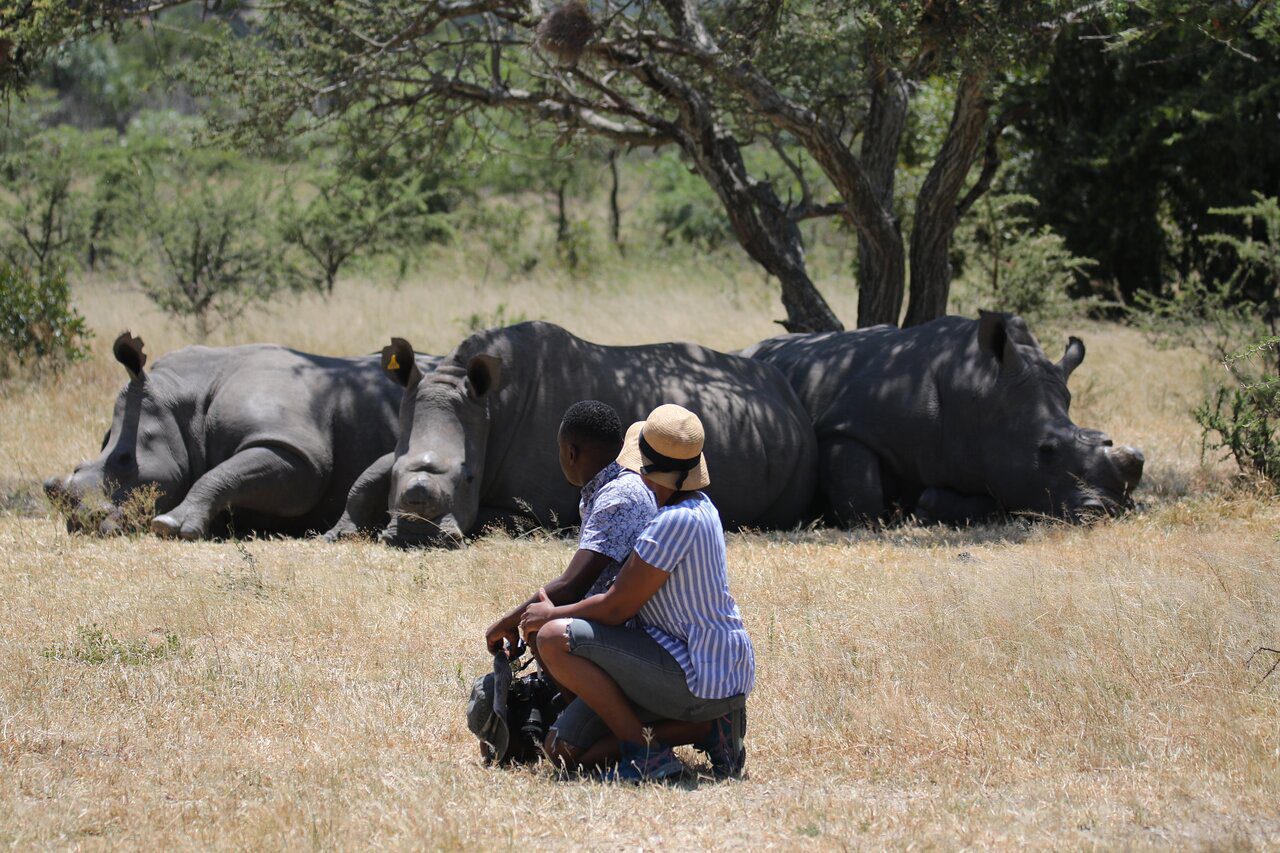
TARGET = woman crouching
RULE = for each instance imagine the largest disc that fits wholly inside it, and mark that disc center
(661, 658)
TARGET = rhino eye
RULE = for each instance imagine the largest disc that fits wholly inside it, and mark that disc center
(1048, 448)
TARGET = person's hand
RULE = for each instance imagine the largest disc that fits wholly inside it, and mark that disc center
(499, 631)
(537, 614)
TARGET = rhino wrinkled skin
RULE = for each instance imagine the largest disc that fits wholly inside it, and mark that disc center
(274, 435)
(478, 435)
(953, 420)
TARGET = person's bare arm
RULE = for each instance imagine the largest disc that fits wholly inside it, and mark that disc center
(573, 583)
(636, 584)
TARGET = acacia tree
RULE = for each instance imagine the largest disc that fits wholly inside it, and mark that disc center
(834, 77)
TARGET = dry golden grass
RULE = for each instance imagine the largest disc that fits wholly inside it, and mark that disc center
(1051, 686)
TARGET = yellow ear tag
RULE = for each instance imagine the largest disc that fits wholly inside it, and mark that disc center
(393, 364)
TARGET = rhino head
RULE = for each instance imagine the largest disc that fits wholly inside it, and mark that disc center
(143, 447)
(434, 497)
(1033, 458)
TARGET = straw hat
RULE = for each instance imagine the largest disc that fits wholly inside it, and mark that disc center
(667, 448)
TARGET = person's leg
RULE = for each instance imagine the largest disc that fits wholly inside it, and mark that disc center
(588, 682)
(606, 750)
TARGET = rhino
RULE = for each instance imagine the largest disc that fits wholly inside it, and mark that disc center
(954, 420)
(274, 435)
(478, 434)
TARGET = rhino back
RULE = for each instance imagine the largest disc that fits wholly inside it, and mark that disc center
(760, 447)
(883, 386)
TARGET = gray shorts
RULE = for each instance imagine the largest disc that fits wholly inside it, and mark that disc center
(648, 675)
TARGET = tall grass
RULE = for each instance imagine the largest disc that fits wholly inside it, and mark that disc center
(994, 687)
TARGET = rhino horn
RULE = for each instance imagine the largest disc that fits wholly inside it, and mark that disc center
(1129, 461)
(1072, 357)
(128, 351)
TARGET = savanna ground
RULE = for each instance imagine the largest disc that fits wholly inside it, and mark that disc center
(1017, 684)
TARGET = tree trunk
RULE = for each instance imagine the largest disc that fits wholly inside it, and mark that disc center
(880, 297)
(882, 300)
(615, 212)
(936, 205)
(562, 215)
(760, 222)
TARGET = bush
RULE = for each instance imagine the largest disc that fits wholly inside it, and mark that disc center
(45, 212)
(684, 207)
(1245, 420)
(1007, 264)
(38, 327)
(208, 226)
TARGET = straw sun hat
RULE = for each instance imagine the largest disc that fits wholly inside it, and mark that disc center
(667, 448)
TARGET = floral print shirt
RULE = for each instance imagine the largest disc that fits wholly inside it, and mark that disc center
(616, 505)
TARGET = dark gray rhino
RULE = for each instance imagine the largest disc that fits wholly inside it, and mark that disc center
(953, 420)
(274, 434)
(478, 435)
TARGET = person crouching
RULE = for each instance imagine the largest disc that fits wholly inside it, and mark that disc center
(682, 676)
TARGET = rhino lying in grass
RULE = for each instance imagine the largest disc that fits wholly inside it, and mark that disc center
(478, 435)
(953, 420)
(274, 435)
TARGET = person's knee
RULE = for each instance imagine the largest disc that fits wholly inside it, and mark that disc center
(553, 638)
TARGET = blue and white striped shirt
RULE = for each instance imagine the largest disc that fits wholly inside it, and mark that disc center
(692, 615)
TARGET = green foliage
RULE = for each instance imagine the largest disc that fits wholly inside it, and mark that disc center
(1245, 419)
(1242, 415)
(361, 206)
(684, 207)
(495, 319)
(94, 645)
(1137, 131)
(39, 328)
(44, 211)
(1011, 265)
(208, 225)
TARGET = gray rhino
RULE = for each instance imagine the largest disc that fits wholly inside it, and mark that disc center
(953, 420)
(274, 434)
(478, 435)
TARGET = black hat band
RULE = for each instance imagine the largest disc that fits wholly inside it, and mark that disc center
(660, 464)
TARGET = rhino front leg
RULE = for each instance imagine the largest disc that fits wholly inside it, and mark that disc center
(265, 479)
(943, 506)
(366, 510)
(849, 479)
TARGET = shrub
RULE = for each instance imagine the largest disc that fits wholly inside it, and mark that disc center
(95, 645)
(208, 228)
(1245, 419)
(684, 207)
(45, 212)
(1241, 416)
(38, 326)
(1008, 264)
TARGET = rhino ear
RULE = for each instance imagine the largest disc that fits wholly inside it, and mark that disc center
(484, 375)
(993, 339)
(400, 362)
(128, 351)
(1072, 357)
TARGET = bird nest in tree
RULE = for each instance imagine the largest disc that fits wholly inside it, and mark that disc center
(566, 31)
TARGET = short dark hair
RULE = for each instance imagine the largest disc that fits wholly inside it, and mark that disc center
(594, 423)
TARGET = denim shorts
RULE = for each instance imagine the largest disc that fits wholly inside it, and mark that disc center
(648, 675)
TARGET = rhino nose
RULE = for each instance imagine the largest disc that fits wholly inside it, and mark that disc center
(419, 498)
(1129, 462)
